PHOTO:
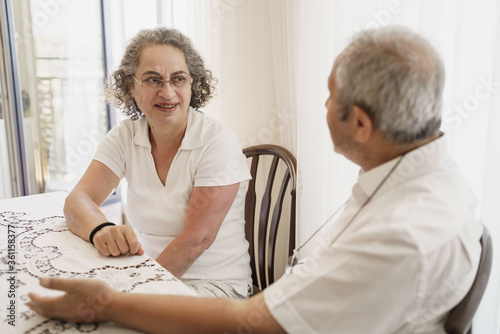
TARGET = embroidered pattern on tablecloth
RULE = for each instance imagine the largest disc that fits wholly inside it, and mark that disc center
(32, 258)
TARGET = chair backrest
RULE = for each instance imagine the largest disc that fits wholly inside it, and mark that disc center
(460, 317)
(262, 235)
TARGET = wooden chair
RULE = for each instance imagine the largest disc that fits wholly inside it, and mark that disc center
(262, 235)
(459, 320)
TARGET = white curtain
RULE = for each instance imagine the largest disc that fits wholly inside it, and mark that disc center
(257, 70)
(273, 58)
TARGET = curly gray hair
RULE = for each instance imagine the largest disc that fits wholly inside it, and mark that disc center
(120, 81)
(397, 77)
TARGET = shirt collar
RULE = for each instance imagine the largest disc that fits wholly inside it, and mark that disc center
(192, 137)
(141, 132)
(412, 165)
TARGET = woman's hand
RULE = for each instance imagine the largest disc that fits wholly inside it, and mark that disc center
(83, 301)
(117, 240)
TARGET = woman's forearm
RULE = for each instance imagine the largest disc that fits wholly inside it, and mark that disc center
(207, 208)
(182, 252)
(82, 214)
(82, 206)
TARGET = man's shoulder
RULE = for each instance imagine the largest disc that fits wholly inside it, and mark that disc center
(432, 213)
(429, 209)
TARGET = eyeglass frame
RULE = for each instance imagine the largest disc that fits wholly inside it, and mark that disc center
(140, 83)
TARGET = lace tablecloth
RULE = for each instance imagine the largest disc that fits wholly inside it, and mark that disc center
(35, 242)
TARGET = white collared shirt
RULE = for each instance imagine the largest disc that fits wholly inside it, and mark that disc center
(210, 155)
(408, 257)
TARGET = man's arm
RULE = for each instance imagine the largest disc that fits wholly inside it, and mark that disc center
(92, 300)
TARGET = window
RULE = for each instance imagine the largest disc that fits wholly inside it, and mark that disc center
(61, 73)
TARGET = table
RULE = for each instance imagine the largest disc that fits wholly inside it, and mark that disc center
(35, 242)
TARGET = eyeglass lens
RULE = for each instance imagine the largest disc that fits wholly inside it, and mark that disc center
(177, 81)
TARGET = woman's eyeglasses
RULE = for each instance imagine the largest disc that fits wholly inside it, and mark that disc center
(178, 81)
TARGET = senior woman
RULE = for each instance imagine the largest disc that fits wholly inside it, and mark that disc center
(186, 172)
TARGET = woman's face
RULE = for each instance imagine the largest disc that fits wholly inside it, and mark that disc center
(164, 107)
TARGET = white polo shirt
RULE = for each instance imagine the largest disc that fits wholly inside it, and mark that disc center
(407, 259)
(209, 155)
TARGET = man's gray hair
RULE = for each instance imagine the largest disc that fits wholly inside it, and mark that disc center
(397, 77)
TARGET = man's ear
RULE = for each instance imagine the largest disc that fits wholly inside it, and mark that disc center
(362, 125)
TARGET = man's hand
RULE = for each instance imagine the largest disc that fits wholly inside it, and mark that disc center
(117, 240)
(83, 301)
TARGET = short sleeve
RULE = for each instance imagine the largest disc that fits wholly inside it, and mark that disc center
(222, 161)
(114, 148)
(344, 283)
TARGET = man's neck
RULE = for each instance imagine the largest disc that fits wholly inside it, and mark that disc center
(383, 151)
